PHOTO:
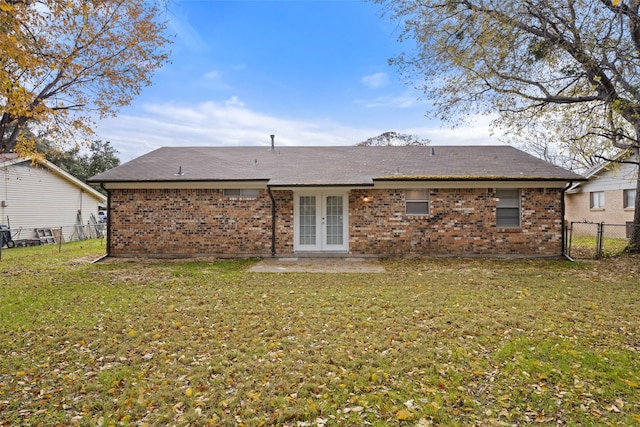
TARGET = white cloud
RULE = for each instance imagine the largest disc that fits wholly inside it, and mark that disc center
(234, 102)
(214, 80)
(408, 99)
(185, 32)
(212, 75)
(376, 80)
(231, 123)
(227, 123)
(477, 131)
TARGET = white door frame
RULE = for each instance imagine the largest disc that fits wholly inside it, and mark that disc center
(321, 244)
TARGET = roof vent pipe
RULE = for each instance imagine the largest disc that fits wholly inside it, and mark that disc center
(273, 144)
(433, 151)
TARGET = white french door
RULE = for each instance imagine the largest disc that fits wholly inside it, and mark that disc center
(321, 221)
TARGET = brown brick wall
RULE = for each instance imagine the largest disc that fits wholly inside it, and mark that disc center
(192, 222)
(188, 222)
(461, 222)
(284, 223)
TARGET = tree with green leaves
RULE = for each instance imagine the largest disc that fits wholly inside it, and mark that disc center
(101, 156)
(64, 63)
(571, 65)
(393, 138)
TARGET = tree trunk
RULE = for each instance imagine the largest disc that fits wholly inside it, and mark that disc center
(634, 243)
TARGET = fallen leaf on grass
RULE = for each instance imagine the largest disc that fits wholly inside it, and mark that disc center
(403, 414)
(410, 404)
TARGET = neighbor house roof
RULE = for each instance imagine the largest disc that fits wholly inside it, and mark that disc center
(595, 170)
(10, 159)
(344, 165)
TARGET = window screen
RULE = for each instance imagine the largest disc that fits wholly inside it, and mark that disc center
(242, 192)
(597, 200)
(508, 207)
(629, 198)
(417, 202)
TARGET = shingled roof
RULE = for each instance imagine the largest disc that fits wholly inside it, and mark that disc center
(343, 166)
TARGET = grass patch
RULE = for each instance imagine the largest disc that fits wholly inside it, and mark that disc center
(585, 246)
(442, 342)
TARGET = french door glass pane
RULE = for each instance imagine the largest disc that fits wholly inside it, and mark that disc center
(334, 220)
(307, 220)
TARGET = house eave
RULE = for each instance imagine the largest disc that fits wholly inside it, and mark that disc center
(184, 183)
(455, 178)
(376, 183)
(321, 185)
(471, 183)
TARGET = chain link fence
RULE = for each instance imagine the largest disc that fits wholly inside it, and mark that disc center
(595, 240)
(584, 240)
(15, 238)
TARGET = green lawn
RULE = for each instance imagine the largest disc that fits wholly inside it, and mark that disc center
(585, 246)
(430, 342)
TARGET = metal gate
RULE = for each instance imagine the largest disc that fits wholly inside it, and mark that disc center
(594, 240)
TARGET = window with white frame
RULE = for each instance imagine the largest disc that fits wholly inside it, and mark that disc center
(597, 200)
(508, 207)
(249, 193)
(417, 202)
(630, 199)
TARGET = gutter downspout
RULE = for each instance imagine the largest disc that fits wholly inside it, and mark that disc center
(564, 227)
(108, 224)
(273, 221)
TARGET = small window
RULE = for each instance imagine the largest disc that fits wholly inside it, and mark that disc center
(417, 202)
(597, 200)
(249, 193)
(508, 207)
(629, 199)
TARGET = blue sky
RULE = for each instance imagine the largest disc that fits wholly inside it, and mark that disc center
(311, 72)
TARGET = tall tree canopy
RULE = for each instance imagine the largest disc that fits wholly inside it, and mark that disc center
(83, 164)
(393, 138)
(64, 63)
(572, 65)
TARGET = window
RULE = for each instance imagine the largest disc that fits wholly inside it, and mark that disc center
(597, 200)
(417, 202)
(630, 199)
(242, 192)
(508, 207)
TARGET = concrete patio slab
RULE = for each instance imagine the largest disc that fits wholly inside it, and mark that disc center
(318, 265)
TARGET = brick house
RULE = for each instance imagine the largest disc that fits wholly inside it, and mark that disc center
(608, 195)
(360, 201)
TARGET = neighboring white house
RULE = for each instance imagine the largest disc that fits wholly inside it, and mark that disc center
(607, 196)
(41, 195)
